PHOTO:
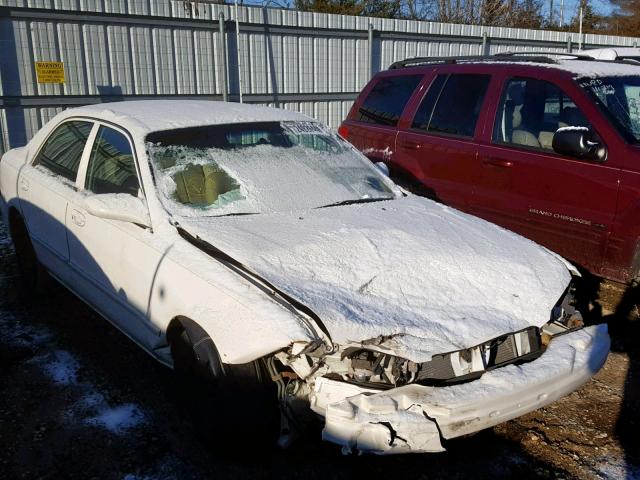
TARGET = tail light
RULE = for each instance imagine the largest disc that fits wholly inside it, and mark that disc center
(343, 131)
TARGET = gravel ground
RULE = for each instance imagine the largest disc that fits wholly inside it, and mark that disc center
(79, 400)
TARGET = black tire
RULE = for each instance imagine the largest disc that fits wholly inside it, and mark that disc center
(34, 278)
(233, 407)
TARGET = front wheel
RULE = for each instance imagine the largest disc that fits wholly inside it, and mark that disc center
(232, 406)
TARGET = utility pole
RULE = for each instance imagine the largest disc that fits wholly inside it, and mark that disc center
(580, 32)
(550, 12)
(561, 13)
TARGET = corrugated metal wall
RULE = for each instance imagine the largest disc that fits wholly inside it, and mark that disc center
(121, 49)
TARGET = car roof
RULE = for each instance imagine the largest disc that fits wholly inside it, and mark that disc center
(577, 68)
(141, 117)
(611, 53)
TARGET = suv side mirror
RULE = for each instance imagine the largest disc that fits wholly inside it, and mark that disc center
(121, 206)
(579, 142)
(382, 168)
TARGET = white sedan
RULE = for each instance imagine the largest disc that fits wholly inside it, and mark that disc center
(258, 253)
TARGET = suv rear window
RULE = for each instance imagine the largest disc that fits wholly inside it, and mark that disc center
(387, 99)
(458, 99)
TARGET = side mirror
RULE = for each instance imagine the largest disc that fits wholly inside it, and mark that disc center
(118, 206)
(579, 142)
(383, 168)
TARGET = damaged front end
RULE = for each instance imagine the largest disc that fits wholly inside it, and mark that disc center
(375, 401)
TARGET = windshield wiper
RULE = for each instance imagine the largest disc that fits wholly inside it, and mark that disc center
(233, 214)
(356, 200)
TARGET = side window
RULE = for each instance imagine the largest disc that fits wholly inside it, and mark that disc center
(387, 99)
(111, 167)
(531, 111)
(423, 115)
(62, 152)
(452, 104)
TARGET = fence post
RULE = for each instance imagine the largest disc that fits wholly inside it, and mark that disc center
(225, 61)
(370, 50)
(569, 45)
(485, 44)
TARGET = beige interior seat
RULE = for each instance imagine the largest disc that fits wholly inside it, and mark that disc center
(546, 139)
(201, 184)
(519, 136)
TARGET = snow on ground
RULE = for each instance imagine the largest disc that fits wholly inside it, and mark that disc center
(168, 468)
(65, 371)
(62, 368)
(617, 468)
(117, 419)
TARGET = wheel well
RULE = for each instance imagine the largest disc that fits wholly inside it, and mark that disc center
(179, 324)
(174, 329)
(205, 351)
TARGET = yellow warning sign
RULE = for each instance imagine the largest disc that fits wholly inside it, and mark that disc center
(50, 72)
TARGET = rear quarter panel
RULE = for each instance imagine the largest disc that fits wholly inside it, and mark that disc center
(10, 164)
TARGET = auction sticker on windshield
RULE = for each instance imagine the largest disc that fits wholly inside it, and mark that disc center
(305, 128)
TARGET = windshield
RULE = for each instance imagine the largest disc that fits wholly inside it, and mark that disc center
(619, 98)
(264, 167)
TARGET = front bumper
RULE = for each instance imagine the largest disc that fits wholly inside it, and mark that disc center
(415, 418)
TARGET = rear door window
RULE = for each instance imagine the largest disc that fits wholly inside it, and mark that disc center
(452, 105)
(63, 149)
(386, 101)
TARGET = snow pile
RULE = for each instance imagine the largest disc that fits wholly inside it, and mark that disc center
(435, 279)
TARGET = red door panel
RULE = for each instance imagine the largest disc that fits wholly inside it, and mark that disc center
(622, 260)
(444, 165)
(566, 205)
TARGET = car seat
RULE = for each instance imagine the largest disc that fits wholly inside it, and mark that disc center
(519, 136)
(512, 118)
(569, 117)
(202, 184)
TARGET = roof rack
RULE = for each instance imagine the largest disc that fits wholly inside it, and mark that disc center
(577, 56)
(535, 57)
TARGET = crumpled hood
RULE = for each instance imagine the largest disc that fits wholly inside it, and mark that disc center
(435, 279)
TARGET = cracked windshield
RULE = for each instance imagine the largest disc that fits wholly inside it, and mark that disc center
(619, 98)
(264, 167)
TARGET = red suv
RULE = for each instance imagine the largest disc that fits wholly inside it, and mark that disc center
(547, 148)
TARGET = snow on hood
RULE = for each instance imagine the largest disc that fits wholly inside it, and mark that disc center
(435, 279)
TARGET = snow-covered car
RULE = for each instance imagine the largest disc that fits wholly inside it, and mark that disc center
(251, 244)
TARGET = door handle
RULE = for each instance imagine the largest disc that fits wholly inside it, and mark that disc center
(495, 162)
(24, 184)
(411, 145)
(78, 218)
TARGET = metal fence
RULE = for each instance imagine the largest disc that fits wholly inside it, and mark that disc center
(130, 49)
